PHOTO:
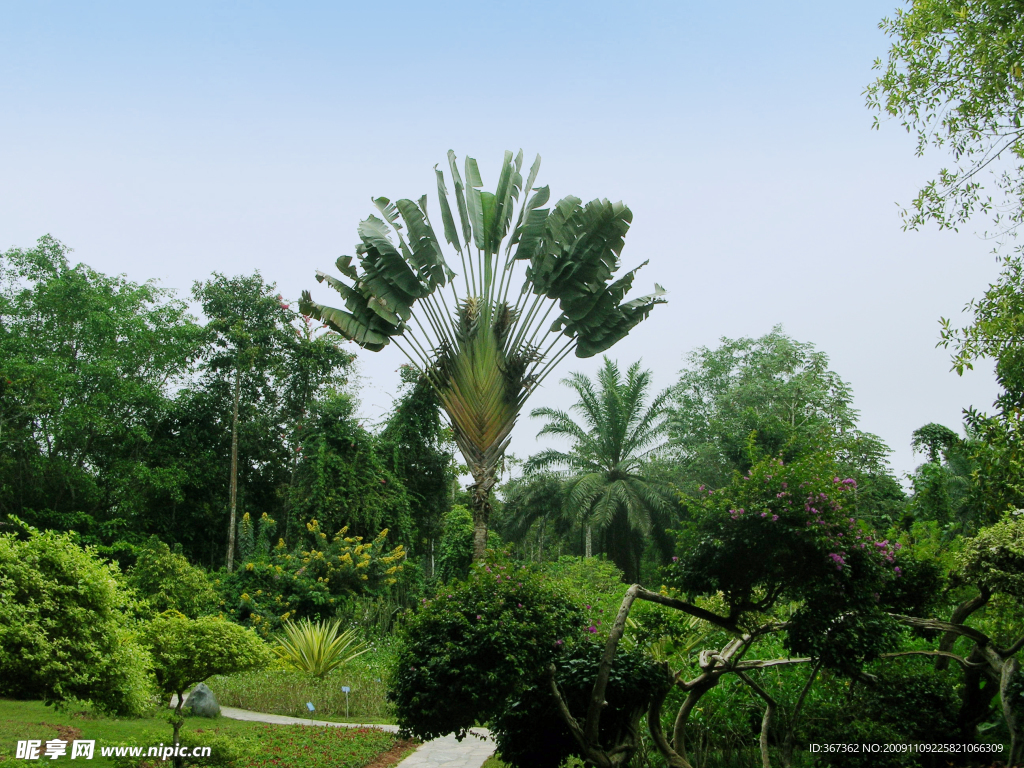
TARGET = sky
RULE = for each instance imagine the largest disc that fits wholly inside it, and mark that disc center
(170, 140)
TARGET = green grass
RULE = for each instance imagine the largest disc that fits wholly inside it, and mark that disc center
(263, 746)
(285, 692)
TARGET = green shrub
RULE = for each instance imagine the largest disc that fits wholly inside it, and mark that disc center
(188, 651)
(477, 643)
(455, 550)
(900, 707)
(64, 626)
(318, 648)
(168, 582)
(310, 582)
(531, 733)
(995, 557)
(589, 582)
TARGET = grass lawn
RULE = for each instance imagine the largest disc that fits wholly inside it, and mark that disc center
(261, 745)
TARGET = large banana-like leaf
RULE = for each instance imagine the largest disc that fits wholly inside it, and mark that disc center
(481, 355)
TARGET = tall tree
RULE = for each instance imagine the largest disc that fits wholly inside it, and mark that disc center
(995, 333)
(345, 478)
(942, 487)
(316, 369)
(605, 469)
(772, 396)
(247, 333)
(486, 352)
(953, 78)
(86, 364)
(420, 450)
(536, 500)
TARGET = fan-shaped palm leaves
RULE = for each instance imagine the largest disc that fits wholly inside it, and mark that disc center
(608, 486)
(486, 346)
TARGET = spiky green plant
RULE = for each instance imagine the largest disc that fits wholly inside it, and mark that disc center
(318, 647)
(487, 349)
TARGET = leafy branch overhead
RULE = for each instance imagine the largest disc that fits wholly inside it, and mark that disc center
(534, 285)
(953, 79)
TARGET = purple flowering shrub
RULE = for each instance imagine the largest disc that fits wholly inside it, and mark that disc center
(780, 536)
(476, 644)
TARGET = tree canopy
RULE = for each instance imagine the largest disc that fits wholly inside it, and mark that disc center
(773, 396)
(953, 79)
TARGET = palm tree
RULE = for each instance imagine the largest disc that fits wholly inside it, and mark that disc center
(610, 486)
(489, 348)
(534, 500)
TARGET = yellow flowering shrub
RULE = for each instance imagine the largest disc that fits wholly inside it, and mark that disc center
(307, 582)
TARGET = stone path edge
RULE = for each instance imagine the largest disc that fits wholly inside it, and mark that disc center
(444, 752)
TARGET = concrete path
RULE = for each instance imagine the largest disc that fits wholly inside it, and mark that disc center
(445, 752)
(261, 717)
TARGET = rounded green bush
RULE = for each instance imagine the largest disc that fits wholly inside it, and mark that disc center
(65, 630)
(477, 643)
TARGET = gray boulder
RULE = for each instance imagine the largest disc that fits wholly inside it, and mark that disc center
(202, 702)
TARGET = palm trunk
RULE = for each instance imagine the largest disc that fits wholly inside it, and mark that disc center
(481, 515)
(234, 475)
(480, 492)
(588, 549)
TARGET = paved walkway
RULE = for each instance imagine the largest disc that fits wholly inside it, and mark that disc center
(445, 752)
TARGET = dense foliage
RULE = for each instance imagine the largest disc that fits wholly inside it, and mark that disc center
(455, 549)
(167, 581)
(86, 363)
(530, 731)
(781, 534)
(475, 644)
(65, 629)
(807, 599)
(311, 580)
(772, 396)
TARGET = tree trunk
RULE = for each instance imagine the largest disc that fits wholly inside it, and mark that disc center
(234, 475)
(176, 722)
(481, 499)
(790, 738)
(1011, 668)
(766, 721)
(588, 549)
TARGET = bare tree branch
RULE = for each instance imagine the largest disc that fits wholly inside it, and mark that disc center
(692, 610)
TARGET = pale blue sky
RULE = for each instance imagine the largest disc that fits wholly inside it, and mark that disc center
(169, 140)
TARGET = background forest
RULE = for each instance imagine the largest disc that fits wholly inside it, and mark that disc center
(220, 465)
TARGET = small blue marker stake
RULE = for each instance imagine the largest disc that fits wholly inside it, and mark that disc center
(345, 689)
(312, 709)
